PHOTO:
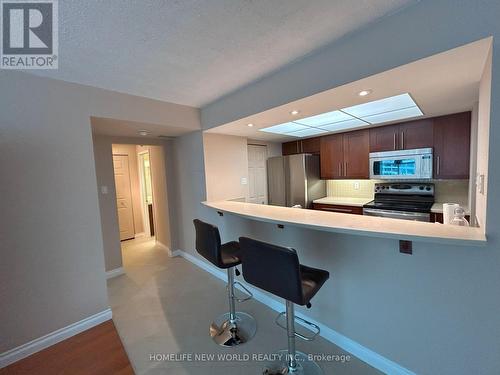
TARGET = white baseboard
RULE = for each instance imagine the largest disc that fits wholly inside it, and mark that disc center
(52, 338)
(366, 355)
(165, 248)
(114, 272)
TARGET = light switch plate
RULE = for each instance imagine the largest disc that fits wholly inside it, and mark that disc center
(244, 181)
(104, 189)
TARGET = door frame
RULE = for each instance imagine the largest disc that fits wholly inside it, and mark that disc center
(144, 206)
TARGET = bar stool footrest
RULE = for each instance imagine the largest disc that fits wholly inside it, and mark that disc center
(307, 324)
(250, 295)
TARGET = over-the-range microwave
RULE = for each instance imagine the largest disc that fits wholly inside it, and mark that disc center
(401, 165)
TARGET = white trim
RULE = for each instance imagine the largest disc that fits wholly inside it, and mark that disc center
(164, 248)
(52, 338)
(366, 355)
(114, 272)
(140, 235)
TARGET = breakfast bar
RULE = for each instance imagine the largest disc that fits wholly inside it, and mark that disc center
(354, 224)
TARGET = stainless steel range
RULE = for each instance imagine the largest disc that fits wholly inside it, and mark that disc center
(401, 200)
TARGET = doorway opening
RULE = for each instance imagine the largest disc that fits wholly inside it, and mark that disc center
(257, 173)
(134, 191)
(146, 192)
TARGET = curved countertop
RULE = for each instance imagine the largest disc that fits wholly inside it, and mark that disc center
(354, 224)
(339, 201)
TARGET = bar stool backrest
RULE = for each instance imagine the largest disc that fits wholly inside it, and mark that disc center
(275, 269)
(208, 241)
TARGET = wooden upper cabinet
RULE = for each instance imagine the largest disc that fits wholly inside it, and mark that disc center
(405, 136)
(416, 134)
(384, 138)
(331, 156)
(310, 145)
(345, 156)
(302, 146)
(356, 154)
(452, 146)
(290, 148)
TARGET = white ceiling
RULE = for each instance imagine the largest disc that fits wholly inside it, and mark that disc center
(115, 127)
(441, 84)
(195, 51)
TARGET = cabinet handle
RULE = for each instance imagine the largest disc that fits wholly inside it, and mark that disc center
(394, 141)
(345, 170)
(402, 140)
(340, 169)
(438, 165)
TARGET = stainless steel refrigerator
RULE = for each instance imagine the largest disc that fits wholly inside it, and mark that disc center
(294, 180)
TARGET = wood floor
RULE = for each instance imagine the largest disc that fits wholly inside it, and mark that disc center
(97, 351)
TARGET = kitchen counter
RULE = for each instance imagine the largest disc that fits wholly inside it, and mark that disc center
(354, 224)
(437, 207)
(342, 201)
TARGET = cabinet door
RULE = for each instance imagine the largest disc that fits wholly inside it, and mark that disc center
(452, 146)
(384, 138)
(356, 154)
(310, 145)
(331, 156)
(290, 148)
(416, 134)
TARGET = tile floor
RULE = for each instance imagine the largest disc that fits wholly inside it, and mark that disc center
(165, 305)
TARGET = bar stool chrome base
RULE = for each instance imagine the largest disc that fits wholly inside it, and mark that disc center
(227, 333)
(281, 365)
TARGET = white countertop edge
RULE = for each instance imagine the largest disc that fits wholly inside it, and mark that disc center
(343, 201)
(472, 237)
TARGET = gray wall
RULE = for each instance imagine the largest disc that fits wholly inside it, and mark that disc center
(51, 247)
(437, 311)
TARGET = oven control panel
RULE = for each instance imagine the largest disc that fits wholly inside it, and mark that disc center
(404, 188)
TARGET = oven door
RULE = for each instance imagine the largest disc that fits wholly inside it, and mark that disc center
(404, 215)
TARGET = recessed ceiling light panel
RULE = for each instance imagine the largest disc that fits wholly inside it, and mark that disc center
(306, 132)
(294, 112)
(397, 107)
(376, 107)
(143, 133)
(394, 115)
(324, 119)
(365, 92)
(287, 127)
(250, 125)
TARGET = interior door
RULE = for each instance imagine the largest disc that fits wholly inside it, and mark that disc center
(123, 197)
(257, 187)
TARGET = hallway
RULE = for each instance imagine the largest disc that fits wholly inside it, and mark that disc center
(164, 306)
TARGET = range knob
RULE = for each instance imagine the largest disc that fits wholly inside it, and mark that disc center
(428, 188)
(421, 187)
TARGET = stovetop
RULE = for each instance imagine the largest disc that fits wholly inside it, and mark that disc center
(410, 197)
(400, 206)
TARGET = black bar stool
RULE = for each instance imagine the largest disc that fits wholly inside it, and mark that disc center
(232, 328)
(277, 270)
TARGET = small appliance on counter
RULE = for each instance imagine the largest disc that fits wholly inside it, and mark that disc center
(401, 200)
(294, 180)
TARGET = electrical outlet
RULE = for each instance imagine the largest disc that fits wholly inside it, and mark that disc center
(104, 189)
(244, 181)
(356, 186)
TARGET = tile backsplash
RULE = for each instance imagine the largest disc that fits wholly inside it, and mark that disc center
(446, 191)
(346, 188)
